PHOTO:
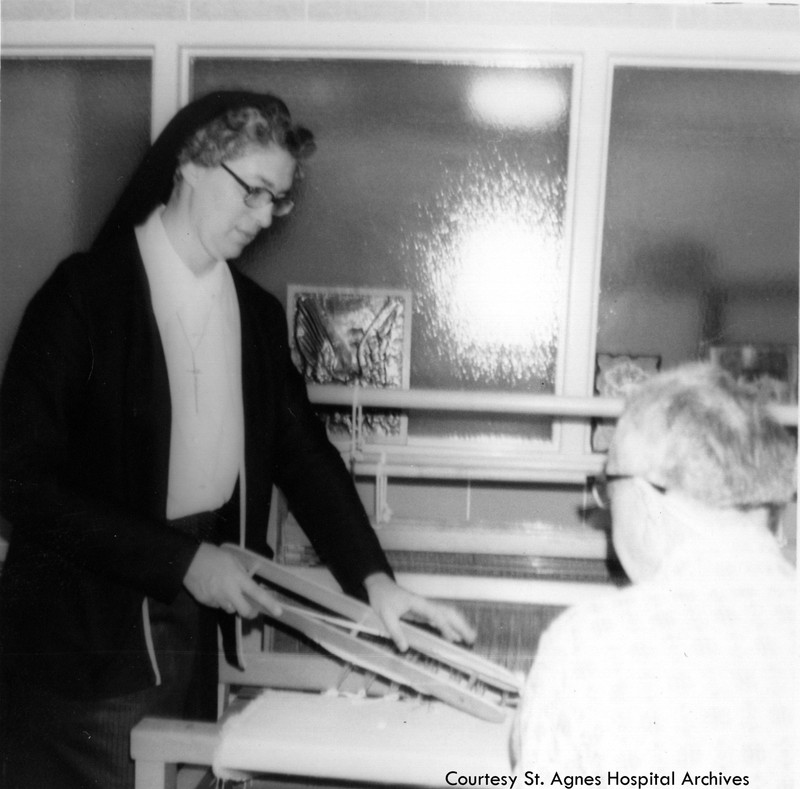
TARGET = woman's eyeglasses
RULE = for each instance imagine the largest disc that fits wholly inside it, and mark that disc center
(260, 197)
(601, 482)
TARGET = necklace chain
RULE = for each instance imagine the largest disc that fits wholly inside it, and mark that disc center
(195, 370)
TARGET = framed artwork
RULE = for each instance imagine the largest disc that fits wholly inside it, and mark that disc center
(353, 337)
(770, 370)
(615, 376)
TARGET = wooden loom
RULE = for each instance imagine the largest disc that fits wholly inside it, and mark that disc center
(318, 736)
(275, 659)
(158, 745)
(327, 738)
(353, 632)
(509, 579)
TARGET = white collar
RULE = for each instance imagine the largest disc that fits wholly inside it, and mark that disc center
(173, 285)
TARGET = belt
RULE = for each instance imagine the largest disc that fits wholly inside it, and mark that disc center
(208, 526)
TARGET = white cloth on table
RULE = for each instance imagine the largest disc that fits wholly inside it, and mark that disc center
(378, 740)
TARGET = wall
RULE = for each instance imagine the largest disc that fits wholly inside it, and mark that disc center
(752, 16)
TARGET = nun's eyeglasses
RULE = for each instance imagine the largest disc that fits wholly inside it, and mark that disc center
(601, 482)
(260, 197)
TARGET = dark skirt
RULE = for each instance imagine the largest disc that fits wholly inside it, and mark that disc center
(51, 741)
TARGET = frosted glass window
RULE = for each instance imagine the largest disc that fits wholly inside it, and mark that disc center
(700, 243)
(71, 133)
(443, 178)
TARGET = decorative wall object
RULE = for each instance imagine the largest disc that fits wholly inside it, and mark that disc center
(353, 337)
(615, 376)
(768, 369)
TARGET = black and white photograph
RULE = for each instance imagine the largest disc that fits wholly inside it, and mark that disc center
(399, 393)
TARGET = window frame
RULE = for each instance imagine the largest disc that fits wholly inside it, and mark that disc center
(593, 53)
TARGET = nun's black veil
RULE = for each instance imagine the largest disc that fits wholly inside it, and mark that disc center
(152, 182)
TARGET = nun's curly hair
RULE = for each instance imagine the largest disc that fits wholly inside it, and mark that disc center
(231, 134)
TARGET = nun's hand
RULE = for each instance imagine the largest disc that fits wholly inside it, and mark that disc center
(218, 579)
(391, 602)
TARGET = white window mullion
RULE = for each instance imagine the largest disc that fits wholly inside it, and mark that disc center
(166, 98)
(587, 181)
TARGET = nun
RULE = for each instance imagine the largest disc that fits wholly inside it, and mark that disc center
(148, 407)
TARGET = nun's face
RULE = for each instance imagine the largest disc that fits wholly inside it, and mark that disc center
(221, 222)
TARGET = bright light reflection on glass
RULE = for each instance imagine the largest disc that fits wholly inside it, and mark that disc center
(505, 293)
(523, 101)
(490, 277)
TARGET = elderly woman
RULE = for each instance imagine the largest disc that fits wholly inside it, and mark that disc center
(148, 407)
(690, 671)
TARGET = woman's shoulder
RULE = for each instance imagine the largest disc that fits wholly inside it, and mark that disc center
(113, 260)
(95, 279)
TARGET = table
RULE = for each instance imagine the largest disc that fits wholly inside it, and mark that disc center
(327, 736)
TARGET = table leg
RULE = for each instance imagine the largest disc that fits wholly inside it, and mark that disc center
(156, 775)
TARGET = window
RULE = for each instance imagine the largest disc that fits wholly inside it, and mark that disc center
(446, 179)
(700, 245)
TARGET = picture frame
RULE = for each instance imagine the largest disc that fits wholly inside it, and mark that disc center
(766, 368)
(355, 336)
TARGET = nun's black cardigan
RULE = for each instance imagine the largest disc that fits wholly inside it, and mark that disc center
(85, 419)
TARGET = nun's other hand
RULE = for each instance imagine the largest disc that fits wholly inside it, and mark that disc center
(391, 602)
